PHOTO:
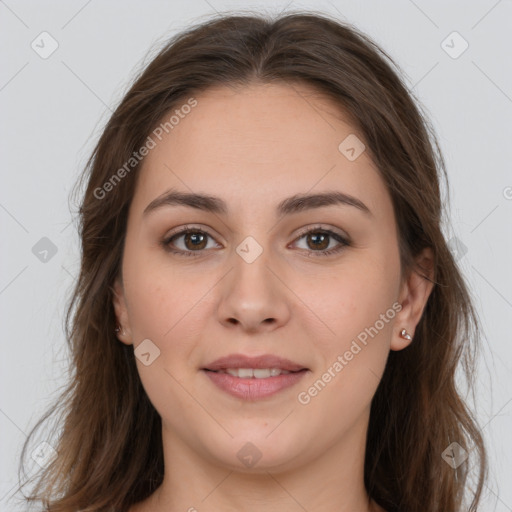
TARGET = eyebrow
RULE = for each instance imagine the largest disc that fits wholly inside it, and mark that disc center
(294, 204)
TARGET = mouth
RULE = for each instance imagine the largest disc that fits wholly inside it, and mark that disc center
(254, 373)
(252, 384)
(254, 377)
(270, 362)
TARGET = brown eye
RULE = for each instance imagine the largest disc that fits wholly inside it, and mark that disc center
(318, 241)
(193, 240)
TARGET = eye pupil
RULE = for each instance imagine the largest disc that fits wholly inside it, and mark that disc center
(194, 237)
(324, 237)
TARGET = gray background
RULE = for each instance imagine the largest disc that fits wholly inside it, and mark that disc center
(53, 110)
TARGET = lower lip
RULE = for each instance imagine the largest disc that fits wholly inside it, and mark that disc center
(252, 388)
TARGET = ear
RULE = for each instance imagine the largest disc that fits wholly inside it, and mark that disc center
(121, 311)
(414, 293)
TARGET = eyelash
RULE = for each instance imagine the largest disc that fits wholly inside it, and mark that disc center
(317, 229)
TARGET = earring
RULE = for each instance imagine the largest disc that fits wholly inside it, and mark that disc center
(405, 335)
(117, 329)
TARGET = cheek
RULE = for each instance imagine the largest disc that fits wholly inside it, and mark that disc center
(355, 305)
(167, 311)
(353, 356)
(349, 301)
(161, 298)
(165, 308)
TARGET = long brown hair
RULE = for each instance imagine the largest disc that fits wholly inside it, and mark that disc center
(109, 448)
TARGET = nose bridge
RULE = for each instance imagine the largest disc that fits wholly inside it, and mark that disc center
(251, 268)
(253, 296)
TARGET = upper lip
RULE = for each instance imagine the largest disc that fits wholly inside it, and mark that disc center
(263, 361)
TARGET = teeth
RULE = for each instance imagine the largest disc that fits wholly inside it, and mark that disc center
(258, 373)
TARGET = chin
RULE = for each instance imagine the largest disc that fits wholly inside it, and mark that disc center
(256, 451)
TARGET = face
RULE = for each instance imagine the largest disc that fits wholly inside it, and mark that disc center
(319, 285)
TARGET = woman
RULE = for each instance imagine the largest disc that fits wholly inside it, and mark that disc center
(267, 315)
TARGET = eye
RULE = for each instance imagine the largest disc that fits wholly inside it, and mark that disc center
(320, 239)
(196, 240)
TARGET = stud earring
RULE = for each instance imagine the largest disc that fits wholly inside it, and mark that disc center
(117, 329)
(405, 335)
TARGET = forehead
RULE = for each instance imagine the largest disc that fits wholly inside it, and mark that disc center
(262, 142)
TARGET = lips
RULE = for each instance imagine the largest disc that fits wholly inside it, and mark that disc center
(255, 362)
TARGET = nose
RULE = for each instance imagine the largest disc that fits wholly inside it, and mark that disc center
(253, 296)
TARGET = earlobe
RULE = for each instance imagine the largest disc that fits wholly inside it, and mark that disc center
(401, 340)
(414, 295)
(122, 329)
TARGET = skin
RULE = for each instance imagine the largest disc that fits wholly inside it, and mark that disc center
(254, 147)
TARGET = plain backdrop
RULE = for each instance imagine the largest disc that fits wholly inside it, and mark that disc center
(53, 107)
